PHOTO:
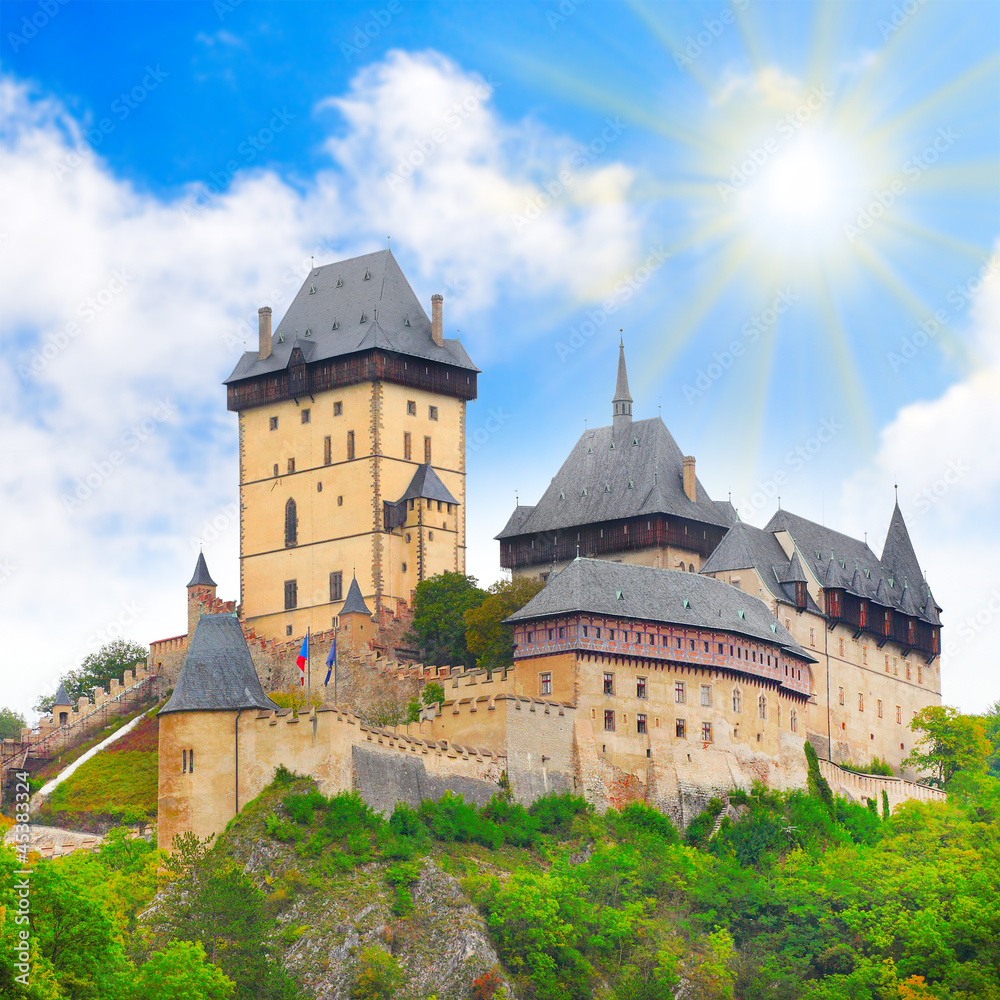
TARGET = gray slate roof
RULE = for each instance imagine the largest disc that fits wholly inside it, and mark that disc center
(339, 311)
(621, 384)
(62, 696)
(838, 561)
(656, 595)
(201, 577)
(218, 674)
(355, 603)
(747, 547)
(647, 457)
(426, 484)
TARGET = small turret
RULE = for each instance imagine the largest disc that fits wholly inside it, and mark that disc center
(622, 403)
(355, 620)
(200, 586)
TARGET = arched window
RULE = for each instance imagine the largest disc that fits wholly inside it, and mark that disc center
(793, 720)
(291, 524)
(737, 701)
(762, 707)
(691, 567)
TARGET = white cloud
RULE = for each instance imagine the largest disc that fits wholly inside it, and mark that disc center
(158, 294)
(945, 455)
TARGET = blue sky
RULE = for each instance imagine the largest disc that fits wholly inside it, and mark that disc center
(791, 209)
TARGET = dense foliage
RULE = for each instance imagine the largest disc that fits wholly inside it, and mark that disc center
(438, 628)
(96, 669)
(488, 639)
(11, 724)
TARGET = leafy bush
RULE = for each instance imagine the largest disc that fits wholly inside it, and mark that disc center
(377, 976)
(640, 817)
(555, 813)
(700, 828)
(877, 765)
(300, 806)
(483, 987)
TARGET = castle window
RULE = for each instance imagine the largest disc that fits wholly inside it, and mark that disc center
(404, 570)
(609, 720)
(899, 715)
(864, 655)
(439, 504)
(793, 721)
(861, 702)
(812, 637)
(432, 413)
(706, 695)
(722, 649)
(273, 423)
(327, 450)
(679, 694)
(611, 634)
(427, 451)
(63, 718)
(585, 631)
(338, 409)
(350, 446)
(920, 673)
(651, 639)
(544, 682)
(411, 407)
(841, 645)
(895, 667)
(562, 632)
(340, 501)
(408, 535)
(407, 446)
(291, 594)
(305, 416)
(609, 683)
(184, 761)
(762, 706)
(843, 700)
(449, 508)
(337, 586)
(319, 487)
(551, 634)
(706, 732)
(190, 761)
(680, 729)
(678, 642)
(430, 538)
(275, 468)
(907, 665)
(291, 466)
(705, 644)
(887, 663)
(737, 701)
(640, 723)
(640, 687)
(288, 630)
(291, 524)
(531, 637)
(879, 708)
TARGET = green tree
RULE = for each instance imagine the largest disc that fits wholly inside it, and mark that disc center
(438, 628)
(991, 724)
(11, 724)
(432, 694)
(181, 972)
(487, 637)
(95, 670)
(949, 742)
(377, 976)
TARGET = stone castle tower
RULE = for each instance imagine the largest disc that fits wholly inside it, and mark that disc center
(352, 448)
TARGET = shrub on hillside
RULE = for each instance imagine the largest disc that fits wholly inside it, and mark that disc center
(377, 976)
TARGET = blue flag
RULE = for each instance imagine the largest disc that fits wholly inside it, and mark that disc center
(331, 659)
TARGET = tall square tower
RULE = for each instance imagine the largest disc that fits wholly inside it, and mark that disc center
(352, 448)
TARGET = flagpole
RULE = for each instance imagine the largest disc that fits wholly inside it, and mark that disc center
(335, 631)
(309, 654)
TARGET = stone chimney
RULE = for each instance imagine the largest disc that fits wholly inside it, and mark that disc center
(437, 319)
(264, 322)
(690, 489)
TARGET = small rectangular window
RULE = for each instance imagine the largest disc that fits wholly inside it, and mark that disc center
(432, 413)
(680, 729)
(812, 637)
(651, 639)
(611, 634)
(899, 715)
(920, 673)
(706, 732)
(609, 683)
(861, 702)
(640, 687)
(562, 632)
(327, 450)
(640, 723)
(531, 637)
(706, 695)
(427, 451)
(691, 644)
(190, 761)
(411, 407)
(291, 465)
(551, 634)
(597, 633)
(273, 423)
(609, 720)
(585, 631)
(706, 646)
(879, 706)
(842, 697)
(184, 761)
(305, 416)
(291, 594)
(338, 409)
(340, 501)
(679, 692)
(275, 468)
(337, 586)
(407, 446)
(545, 683)
(350, 446)
(722, 649)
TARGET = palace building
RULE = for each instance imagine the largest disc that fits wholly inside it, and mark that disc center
(352, 448)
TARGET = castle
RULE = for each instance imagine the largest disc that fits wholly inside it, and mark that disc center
(674, 653)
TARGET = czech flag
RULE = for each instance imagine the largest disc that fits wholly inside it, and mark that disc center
(331, 660)
(301, 659)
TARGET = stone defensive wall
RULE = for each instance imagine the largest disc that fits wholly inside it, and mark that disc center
(138, 685)
(870, 786)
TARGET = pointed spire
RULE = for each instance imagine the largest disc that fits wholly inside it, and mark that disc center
(622, 403)
(898, 558)
(355, 603)
(62, 697)
(795, 573)
(201, 578)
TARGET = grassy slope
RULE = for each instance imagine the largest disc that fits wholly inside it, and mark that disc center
(118, 784)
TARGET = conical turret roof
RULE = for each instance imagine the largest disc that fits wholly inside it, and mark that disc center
(62, 696)
(898, 556)
(201, 578)
(355, 603)
(621, 385)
